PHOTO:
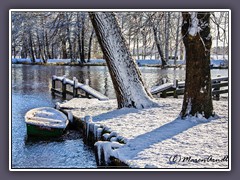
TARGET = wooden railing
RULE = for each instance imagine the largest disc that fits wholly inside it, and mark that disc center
(219, 86)
(75, 86)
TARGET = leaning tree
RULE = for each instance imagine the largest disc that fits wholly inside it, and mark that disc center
(126, 78)
(197, 40)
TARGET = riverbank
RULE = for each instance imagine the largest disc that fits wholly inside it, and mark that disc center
(153, 137)
(219, 64)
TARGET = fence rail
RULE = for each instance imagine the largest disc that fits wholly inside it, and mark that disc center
(63, 91)
(177, 88)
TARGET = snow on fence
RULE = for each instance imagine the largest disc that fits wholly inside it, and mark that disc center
(100, 137)
(177, 88)
(75, 87)
(105, 142)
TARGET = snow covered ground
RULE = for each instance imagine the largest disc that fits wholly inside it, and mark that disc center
(157, 138)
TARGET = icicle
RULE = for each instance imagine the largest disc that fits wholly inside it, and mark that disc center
(99, 147)
(107, 148)
(99, 133)
(70, 116)
(95, 133)
(88, 120)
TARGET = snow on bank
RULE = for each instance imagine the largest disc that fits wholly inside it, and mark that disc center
(140, 62)
(52, 61)
(157, 138)
(27, 60)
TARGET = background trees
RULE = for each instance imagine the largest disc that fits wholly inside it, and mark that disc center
(70, 35)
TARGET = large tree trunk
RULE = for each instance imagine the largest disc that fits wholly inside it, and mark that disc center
(197, 41)
(126, 78)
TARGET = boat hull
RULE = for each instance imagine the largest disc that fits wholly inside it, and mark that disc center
(45, 122)
(43, 131)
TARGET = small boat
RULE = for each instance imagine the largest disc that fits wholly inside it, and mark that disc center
(45, 122)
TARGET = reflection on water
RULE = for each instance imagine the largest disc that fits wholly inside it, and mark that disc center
(31, 88)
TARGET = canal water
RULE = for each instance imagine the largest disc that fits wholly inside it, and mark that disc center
(31, 88)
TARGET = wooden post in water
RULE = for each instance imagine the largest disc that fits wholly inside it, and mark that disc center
(75, 83)
(64, 88)
(175, 86)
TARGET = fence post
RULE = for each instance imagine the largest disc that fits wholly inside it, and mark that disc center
(164, 93)
(53, 85)
(87, 83)
(64, 88)
(217, 96)
(75, 83)
(175, 86)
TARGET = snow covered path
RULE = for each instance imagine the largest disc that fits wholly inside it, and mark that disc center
(157, 138)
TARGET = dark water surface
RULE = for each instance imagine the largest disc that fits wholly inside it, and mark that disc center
(31, 88)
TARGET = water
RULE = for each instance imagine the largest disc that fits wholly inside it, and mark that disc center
(31, 88)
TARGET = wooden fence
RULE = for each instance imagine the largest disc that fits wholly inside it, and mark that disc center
(219, 86)
(76, 87)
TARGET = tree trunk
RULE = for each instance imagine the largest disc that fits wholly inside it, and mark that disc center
(126, 78)
(177, 40)
(81, 36)
(144, 44)
(64, 48)
(47, 46)
(90, 45)
(14, 49)
(224, 36)
(24, 48)
(79, 45)
(138, 47)
(159, 46)
(69, 44)
(197, 41)
(83, 39)
(167, 35)
(31, 48)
